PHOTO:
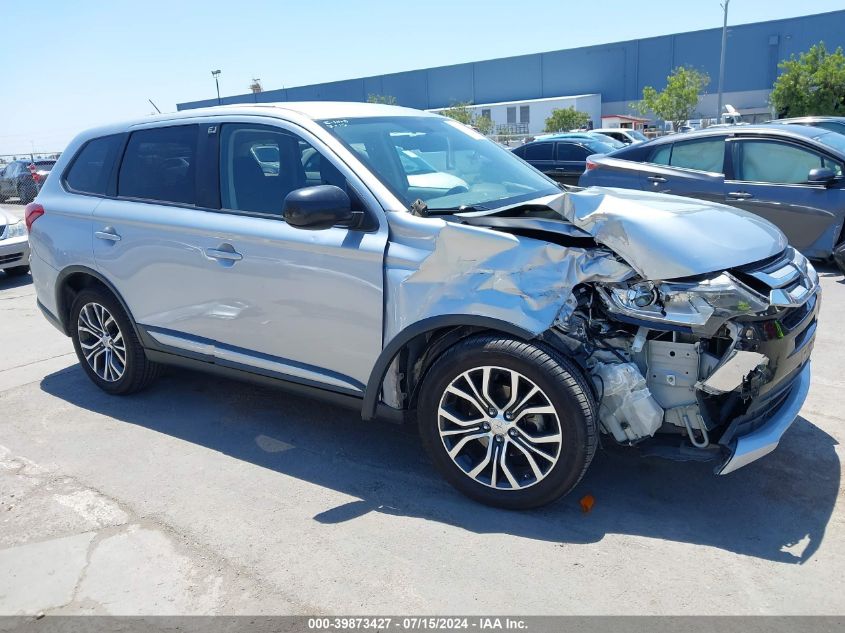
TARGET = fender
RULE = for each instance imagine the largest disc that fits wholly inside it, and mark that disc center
(70, 270)
(368, 408)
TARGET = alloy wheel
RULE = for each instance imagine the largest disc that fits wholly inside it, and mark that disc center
(499, 428)
(102, 342)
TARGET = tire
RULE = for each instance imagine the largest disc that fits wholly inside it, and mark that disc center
(563, 406)
(95, 311)
(839, 256)
(26, 194)
(17, 271)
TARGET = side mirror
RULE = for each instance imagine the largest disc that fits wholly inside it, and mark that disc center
(821, 176)
(317, 208)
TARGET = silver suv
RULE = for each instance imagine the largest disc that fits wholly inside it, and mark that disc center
(401, 263)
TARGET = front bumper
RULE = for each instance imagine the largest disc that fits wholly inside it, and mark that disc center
(14, 251)
(745, 449)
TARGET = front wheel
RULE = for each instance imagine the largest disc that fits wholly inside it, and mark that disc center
(508, 423)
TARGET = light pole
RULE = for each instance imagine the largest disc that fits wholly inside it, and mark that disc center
(722, 59)
(216, 74)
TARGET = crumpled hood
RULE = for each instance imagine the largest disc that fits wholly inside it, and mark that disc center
(666, 237)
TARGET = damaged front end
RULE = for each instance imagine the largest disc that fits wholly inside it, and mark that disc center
(710, 367)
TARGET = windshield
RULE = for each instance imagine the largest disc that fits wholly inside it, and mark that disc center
(440, 161)
(834, 140)
(637, 135)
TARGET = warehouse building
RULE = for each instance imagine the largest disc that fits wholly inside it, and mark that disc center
(614, 74)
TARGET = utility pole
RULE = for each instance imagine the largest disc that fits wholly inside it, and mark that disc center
(722, 59)
(216, 74)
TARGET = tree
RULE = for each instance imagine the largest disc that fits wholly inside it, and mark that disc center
(812, 84)
(484, 124)
(677, 102)
(385, 99)
(460, 112)
(565, 119)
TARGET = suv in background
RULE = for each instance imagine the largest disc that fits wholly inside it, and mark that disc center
(23, 179)
(513, 321)
(792, 175)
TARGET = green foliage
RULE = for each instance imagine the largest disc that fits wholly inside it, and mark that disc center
(484, 124)
(463, 113)
(460, 112)
(676, 102)
(385, 99)
(565, 119)
(814, 83)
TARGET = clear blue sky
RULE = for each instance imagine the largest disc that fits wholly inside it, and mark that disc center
(93, 62)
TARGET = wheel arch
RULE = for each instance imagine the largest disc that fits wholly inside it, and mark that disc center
(73, 280)
(425, 340)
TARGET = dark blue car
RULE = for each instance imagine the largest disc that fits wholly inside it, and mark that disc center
(792, 175)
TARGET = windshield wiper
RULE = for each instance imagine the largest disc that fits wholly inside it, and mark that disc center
(464, 208)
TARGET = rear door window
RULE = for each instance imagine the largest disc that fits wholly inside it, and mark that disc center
(703, 155)
(661, 154)
(160, 164)
(539, 151)
(92, 167)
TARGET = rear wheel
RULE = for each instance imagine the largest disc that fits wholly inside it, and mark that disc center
(106, 345)
(507, 423)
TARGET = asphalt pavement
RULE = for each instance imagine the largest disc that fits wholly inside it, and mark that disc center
(208, 496)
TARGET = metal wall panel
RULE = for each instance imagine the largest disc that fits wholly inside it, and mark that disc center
(617, 71)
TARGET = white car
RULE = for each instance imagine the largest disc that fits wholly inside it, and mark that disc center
(625, 135)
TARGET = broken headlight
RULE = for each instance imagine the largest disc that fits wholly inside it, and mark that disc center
(685, 303)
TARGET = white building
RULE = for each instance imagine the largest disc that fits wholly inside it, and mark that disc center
(528, 116)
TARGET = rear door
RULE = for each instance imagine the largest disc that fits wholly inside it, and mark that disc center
(769, 177)
(570, 162)
(693, 168)
(542, 156)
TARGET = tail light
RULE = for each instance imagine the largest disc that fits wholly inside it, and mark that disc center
(36, 177)
(591, 165)
(32, 212)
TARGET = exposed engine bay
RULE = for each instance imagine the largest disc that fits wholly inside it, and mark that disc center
(688, 357)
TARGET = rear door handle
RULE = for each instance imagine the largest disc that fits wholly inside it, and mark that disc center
(656, 179)
(740, 195)
(108, 234)
(224, 254)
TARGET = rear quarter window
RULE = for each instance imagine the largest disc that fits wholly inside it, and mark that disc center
(91, 168)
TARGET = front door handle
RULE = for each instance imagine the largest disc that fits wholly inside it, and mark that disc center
(739, 195)
(224, 253)
(656, 179)
(108, 234)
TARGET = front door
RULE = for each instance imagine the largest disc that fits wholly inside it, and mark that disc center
(770, 178)
(209, 267)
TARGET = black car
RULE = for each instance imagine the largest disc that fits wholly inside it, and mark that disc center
(564, 159)
(792, 175)
(832, 123)
(22, 179)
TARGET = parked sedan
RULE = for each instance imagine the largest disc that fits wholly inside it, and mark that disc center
(832, 123)
(792, 175)
(563, 159)
(22, 179)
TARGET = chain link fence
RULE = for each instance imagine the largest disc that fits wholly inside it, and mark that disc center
(23, 175)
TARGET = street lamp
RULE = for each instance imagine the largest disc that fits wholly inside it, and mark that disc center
(216, 74)
(722, 59)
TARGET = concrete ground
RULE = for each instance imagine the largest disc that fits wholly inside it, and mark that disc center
(206, 496)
